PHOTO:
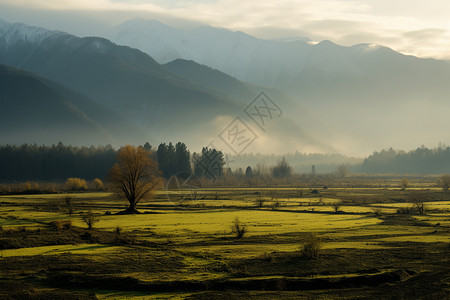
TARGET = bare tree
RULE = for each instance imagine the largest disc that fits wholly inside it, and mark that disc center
(418, 199)
(238, 229)
(135, 175)
(90, 219)
(336, 205)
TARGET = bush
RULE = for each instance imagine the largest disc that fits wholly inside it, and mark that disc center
(377, 211)
(57, 225)
(311, 248)
(76, 184)
(97, 185)
(238, 229)
(277, 203)
(118, 230)
(62, 224)
(404, 184)
(404, 210)
(336, 205)
(90, 219)
(260, 201)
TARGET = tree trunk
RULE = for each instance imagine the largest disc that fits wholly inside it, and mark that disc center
(130, 210)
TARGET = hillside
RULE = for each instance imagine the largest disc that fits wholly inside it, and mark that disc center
(166, 104)
(35, 110)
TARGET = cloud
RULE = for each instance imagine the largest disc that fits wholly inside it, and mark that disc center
(413, 27)
(428, 34)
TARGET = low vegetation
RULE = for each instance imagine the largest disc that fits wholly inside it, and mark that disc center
(238, 228)
(90, 219)
(76, 184)
(311, 247)
(364, 251)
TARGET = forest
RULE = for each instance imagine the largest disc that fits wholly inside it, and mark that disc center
(59, 162)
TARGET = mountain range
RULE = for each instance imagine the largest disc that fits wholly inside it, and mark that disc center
(179, 101)
(167, 84)
(356, 98)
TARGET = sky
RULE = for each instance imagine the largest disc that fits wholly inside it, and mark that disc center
(420, 28)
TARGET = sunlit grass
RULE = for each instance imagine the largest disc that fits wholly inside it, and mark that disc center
(59, 249)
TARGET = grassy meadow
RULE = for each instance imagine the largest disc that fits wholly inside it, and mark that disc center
(371, 243)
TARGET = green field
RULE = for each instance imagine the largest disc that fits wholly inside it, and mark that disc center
(182, 246)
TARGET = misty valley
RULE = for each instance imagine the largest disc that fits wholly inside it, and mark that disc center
(155, 161)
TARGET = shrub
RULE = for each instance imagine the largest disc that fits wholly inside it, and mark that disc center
(404, 210)
(57, 224)
(238, 229)
(277, 203)
(67, 224)
(404, 184)
(267, 257)
(377, 211)
(97, 185)
(336, 205)
(90, 219)
(260, 201)
(61, 224)
(76, 184)
(312, 246)
(118, 230)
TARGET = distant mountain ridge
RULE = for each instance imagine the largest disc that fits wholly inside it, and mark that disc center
(192, 104)
(247, 58)
(361, 97)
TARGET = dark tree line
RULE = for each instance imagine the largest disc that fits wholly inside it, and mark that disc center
(209, 163)
(56, 162)
(177, 160)
(419, 161)
(173, 160)
(59, 162)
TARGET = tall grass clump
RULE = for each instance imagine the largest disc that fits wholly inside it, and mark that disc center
(311, 247)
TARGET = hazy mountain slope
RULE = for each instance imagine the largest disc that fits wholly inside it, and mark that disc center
(35, 110)
(263, 62)
(245, 93)
(212, 79)
(126, 80)
(290, 65)
(359, 98)
(166, 105)
(374, 97)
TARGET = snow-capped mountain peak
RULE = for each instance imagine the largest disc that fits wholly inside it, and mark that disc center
(13, 33)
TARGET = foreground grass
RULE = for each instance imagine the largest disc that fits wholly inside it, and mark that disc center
(183, 247)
